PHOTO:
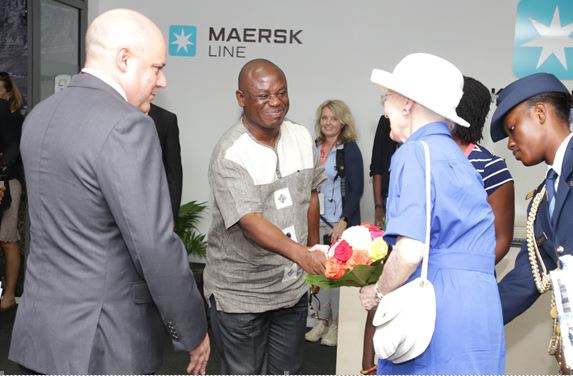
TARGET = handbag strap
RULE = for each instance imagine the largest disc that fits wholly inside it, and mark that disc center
(424, 274)
(325, 221)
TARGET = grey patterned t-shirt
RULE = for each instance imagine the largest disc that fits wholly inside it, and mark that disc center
(248, 177)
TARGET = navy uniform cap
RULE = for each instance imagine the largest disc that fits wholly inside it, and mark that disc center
(519, 91)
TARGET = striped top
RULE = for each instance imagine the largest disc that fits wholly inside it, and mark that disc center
(493, 169)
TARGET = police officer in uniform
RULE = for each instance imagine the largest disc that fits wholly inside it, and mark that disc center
(533, 112)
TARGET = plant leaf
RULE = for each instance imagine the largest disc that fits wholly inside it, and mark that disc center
(186, 227)
(359, 276)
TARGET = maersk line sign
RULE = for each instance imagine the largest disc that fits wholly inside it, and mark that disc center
(253, 35)
(231, 42)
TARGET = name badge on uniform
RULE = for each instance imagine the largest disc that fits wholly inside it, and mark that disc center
(283, 198)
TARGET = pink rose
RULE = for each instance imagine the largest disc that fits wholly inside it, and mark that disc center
(377, 234)
(375, 231)
(369, 226)
(343, 251)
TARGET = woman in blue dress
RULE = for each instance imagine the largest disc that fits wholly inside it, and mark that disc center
(422, 94)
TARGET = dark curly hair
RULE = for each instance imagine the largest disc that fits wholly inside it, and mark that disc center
(473, 107)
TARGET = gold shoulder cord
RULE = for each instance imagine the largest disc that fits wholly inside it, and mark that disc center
(542, 279)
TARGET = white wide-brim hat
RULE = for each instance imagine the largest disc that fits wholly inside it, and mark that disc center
(429, 80)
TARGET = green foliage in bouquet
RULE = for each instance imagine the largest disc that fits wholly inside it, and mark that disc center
(186, 227)
(360, 275)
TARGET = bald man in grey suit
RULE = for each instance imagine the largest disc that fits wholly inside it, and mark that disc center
(106, 275)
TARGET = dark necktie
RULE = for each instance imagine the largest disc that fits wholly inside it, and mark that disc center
(550, 186)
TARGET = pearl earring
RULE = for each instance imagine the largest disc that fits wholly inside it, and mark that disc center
(405, 111)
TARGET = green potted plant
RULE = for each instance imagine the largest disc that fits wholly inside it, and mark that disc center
(186, 227)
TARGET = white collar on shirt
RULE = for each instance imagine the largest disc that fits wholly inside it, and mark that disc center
(108, 80)
(559, 156)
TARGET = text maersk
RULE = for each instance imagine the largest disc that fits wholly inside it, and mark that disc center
(254, 35)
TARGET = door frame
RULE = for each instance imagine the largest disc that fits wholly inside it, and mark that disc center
(35, 40)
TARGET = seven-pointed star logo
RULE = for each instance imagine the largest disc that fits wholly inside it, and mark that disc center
(544, 38)
(553, 40)
(182, 40)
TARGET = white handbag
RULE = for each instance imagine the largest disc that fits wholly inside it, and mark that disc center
(405, 318)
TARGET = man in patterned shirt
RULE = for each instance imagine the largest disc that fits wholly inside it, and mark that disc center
(263, 176)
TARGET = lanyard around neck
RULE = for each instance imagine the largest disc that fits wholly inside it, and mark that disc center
(323, 153)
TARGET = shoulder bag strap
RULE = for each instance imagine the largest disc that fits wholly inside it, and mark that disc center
(341, 171)
(325, 221)
(424, 274)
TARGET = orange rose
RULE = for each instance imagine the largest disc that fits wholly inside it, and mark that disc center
(359, 258)
(334, 269)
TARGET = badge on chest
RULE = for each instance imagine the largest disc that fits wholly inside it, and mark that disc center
(283, 198)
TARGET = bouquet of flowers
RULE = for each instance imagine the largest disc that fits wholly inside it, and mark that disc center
(356, 259)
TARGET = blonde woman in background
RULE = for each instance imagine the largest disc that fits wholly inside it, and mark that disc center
(340, 197)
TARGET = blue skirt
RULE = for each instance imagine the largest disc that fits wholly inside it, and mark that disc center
(469, 334)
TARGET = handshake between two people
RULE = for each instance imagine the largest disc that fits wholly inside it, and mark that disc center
(314, 261)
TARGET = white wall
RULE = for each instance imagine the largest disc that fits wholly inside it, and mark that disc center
(342, 41)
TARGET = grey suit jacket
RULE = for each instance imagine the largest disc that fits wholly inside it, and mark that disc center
(105, 273)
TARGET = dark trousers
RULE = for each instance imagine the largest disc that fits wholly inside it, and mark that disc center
(261, 343)
(28, 371)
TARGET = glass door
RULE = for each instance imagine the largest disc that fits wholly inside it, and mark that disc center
(58, 29)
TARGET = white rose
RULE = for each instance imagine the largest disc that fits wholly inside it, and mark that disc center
(330, 252)
(358, 237)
